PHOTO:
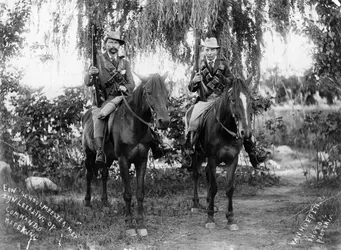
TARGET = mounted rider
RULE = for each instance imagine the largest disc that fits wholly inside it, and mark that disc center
(213, 77)
(111, 69)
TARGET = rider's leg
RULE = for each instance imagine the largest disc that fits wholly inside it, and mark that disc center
(256, 154)
(189, 145)
(98, 135)
(109, 107)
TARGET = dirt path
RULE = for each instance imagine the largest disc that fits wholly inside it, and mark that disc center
(266, 221)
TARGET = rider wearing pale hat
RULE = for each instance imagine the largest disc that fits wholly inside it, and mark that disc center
(213, 77)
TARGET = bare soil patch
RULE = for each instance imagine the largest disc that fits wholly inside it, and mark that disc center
(267, 220)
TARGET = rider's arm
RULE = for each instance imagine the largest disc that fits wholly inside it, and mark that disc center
(193, 84)
(89, 74)
(87, 80)
(226, 73)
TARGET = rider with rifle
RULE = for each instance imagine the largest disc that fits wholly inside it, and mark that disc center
(112, 77)
(209, 78)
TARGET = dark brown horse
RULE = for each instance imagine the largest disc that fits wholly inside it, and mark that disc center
(220, 141)
(128, 141)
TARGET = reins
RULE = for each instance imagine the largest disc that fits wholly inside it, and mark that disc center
(129, 108)
(227, 130)
(235, 135)
(149, 125)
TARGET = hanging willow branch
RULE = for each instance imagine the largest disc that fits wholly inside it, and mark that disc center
(149, 24)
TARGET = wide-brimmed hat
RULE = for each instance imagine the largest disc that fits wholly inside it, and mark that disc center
(115, 36)
(211, 43)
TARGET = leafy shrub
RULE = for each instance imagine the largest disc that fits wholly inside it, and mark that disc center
(176, 130)
(326, 131)
(50, 131)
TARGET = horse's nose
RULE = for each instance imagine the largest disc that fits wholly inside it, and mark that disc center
(242, 133)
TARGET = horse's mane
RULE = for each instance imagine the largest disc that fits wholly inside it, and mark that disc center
(236, 86)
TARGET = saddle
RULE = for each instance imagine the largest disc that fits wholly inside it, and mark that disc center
(109, 122)
(200, 128)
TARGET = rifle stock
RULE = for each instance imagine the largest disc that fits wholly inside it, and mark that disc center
(95, 79)
(197, 64)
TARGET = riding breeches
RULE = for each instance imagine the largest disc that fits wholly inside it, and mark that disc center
(98, 123)
(101, 112)
(198, 110)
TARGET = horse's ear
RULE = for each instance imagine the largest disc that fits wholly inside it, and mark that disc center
(164, 76)
(141, 77)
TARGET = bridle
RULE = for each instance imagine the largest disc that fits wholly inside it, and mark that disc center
(150, 125)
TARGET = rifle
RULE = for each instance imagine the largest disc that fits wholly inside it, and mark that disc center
(196, 64)
(95, 79)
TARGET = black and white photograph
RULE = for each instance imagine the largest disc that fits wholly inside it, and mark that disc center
(170, 124)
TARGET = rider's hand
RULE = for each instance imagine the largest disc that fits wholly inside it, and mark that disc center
(122, 88)
(197, 78)
(93, 70)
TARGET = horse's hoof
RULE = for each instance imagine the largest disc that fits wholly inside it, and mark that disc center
(131, 232)
(142, 232)
(210, 225)
(195, 210)
(233, 227)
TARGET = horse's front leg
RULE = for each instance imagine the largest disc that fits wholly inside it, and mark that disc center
(211, 190)
(127, 194)
(229, 193)
(140, 167)
(89, 166)
(105, 174)
(196, 165)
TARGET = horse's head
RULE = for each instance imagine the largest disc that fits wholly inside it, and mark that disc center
(156, 95)
(241, 105)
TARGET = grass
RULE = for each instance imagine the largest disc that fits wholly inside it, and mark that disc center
(168, 195)
(293, 118)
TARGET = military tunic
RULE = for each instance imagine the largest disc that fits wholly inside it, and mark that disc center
(215, 80)
(111, 96)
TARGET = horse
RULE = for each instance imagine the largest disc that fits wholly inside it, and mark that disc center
(128, 140)
(220, 140)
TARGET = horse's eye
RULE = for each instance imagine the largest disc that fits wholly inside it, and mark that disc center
(233, 101)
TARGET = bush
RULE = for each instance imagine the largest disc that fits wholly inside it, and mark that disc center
(49, 131)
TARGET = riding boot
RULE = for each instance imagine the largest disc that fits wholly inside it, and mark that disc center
(257, 155)
(188, 151)
(158, 149)
(100, 155)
